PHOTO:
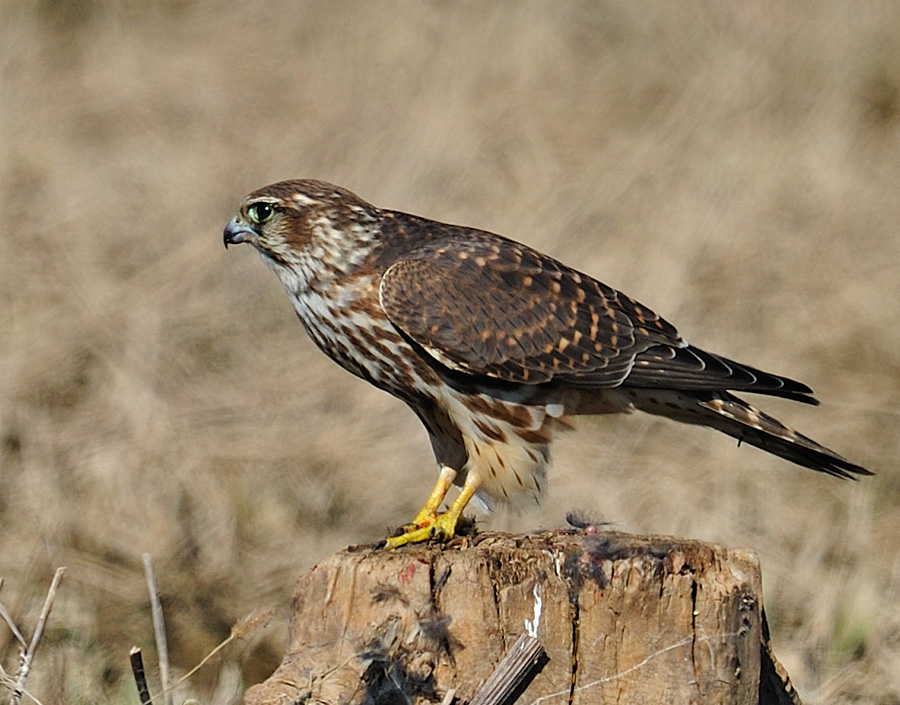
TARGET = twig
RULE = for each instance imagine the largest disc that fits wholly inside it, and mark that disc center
(10, 623)
(28, 654)
(243, 628)
(240, 630)
(515, 665)
(7, 682)
(140, 678)
(159, 628)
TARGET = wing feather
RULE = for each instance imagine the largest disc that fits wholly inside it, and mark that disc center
(485, 305)
(691, 368)
(489, 306)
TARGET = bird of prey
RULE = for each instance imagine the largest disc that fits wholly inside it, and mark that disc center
(493, 344)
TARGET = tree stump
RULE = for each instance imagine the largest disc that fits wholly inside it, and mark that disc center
(621, 619)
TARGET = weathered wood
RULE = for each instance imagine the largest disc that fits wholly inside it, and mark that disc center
(623, 619)
(515, 666)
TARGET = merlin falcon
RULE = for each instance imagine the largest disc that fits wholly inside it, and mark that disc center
(493, 344)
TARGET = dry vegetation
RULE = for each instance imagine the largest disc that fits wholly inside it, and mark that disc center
(735, 166)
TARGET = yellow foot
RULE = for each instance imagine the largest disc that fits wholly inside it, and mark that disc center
(440, 527)
(428, 524)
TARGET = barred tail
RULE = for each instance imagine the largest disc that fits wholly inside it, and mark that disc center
(735, 417)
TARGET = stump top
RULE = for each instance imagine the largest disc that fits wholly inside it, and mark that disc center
(622, 618)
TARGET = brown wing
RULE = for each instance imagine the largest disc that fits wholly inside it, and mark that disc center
(485, 305)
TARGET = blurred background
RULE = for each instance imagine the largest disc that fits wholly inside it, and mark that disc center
(734, 166)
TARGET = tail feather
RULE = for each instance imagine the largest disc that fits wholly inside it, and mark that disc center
(735, 417)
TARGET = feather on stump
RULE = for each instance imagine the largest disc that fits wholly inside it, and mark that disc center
(621, 618)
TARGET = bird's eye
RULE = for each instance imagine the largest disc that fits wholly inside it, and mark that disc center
(260, 213)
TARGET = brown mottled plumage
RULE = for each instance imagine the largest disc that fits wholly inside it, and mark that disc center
(492, 343)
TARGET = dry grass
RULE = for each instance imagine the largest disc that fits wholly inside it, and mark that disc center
(735, 166)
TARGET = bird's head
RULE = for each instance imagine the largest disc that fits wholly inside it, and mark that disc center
(276, 219)
(283, 219)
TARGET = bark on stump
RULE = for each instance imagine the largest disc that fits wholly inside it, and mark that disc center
(622, 619)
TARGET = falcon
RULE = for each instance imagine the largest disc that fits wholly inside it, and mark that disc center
(492, 344)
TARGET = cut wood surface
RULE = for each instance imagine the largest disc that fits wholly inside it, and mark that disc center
(621, 619)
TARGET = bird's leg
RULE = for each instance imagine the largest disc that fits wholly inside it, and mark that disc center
(428, 513)
(441, 526)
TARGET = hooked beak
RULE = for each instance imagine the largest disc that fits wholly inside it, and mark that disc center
(236, 233)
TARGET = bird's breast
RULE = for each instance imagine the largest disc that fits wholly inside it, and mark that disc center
(347, 322)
